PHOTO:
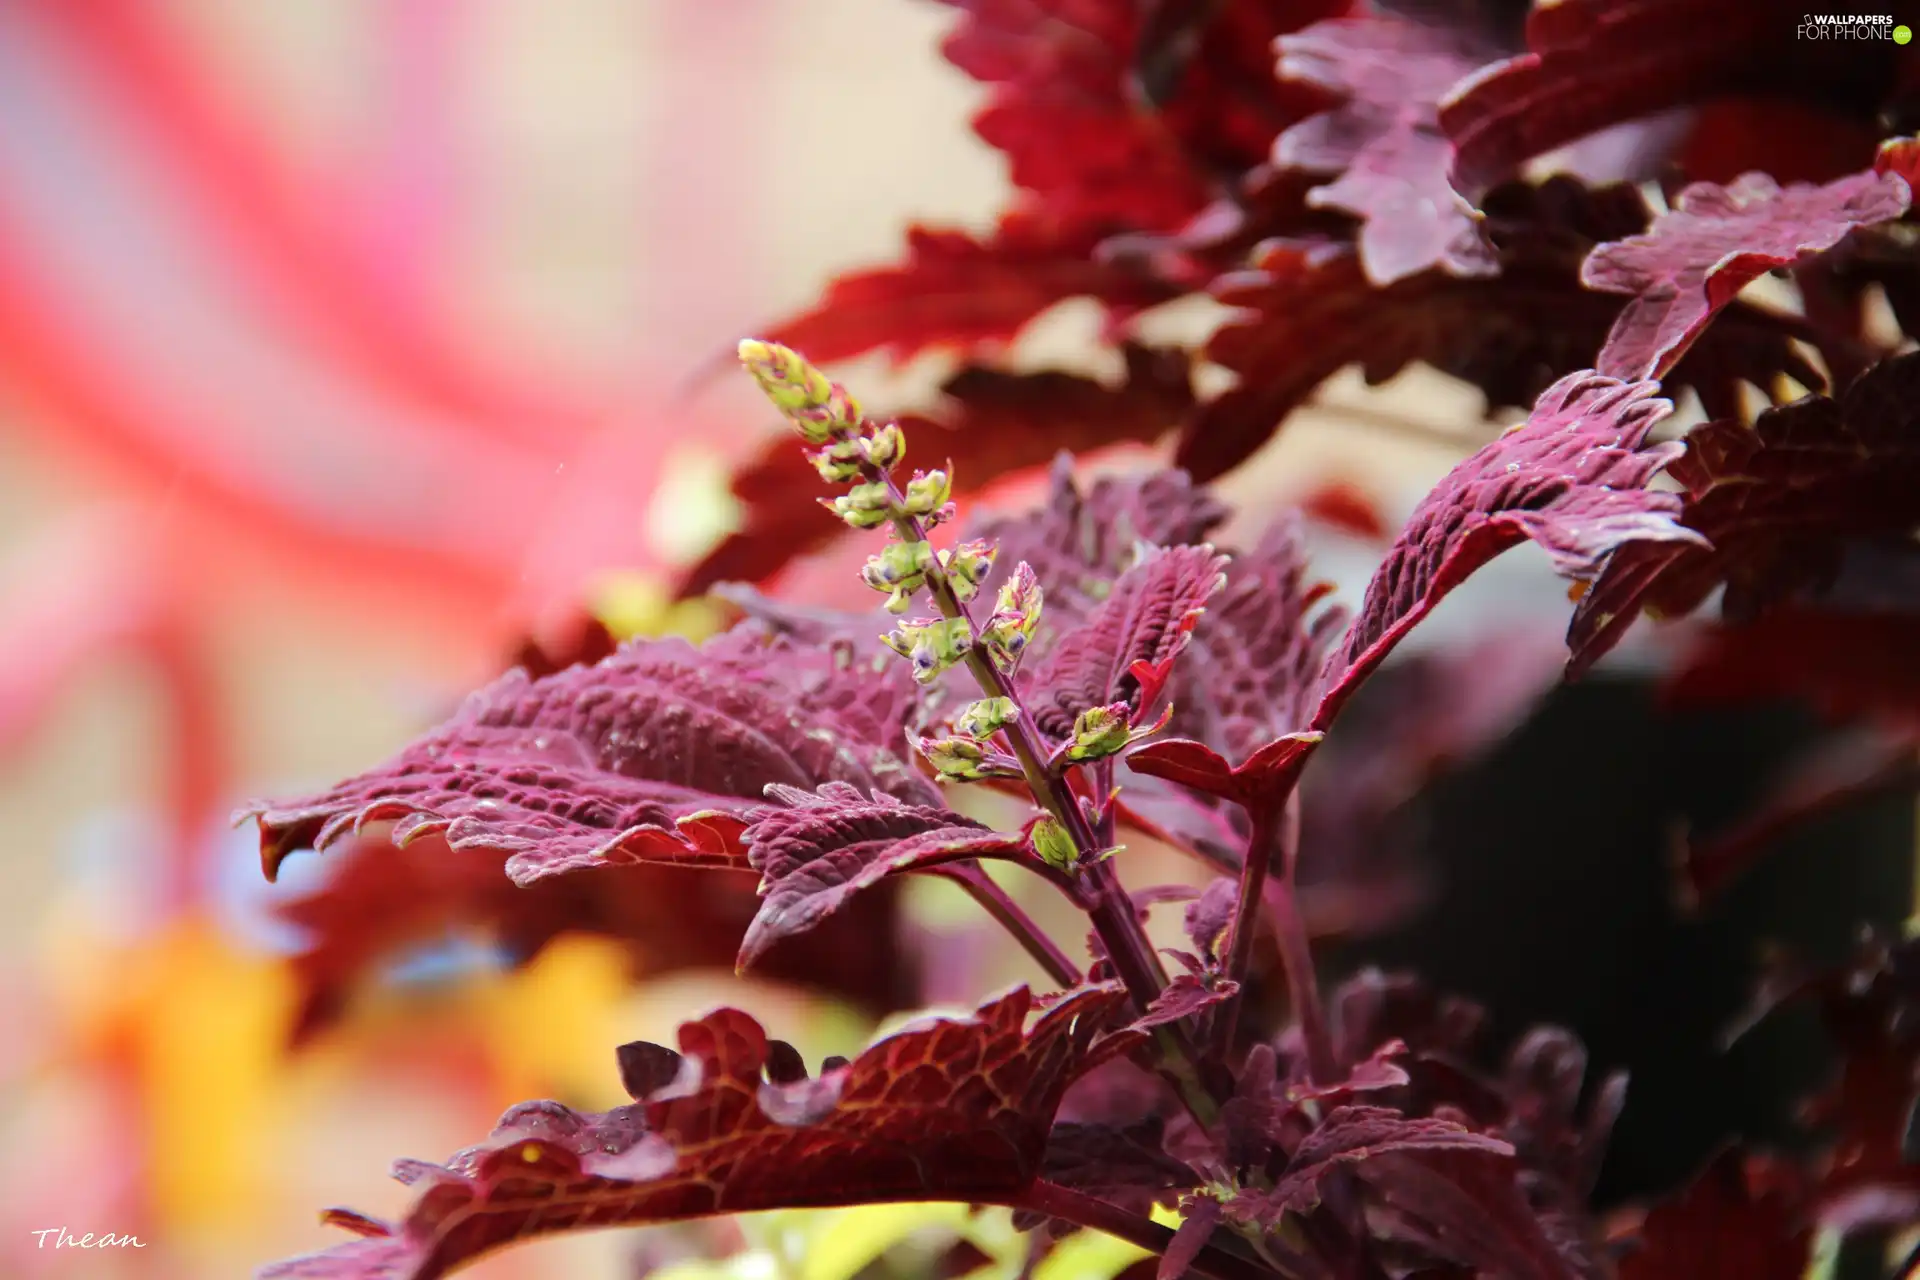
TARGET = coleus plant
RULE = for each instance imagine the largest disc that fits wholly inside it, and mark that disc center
(1104, 665)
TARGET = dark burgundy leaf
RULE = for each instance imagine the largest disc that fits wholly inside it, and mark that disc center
(1384, 140)
(1127, 644)
(824, 846)
(647, 1068)
(1776, 504)
(1572, 479)
(1183, 997)
(653, 755)
(1309, 311)
(1127, 1165)
(1200, 1215)
(1352, 1135)
(1846, 666)
(1593, 64)
(996, 423)
(1468, 1207)
(1830, 777)
(949, 1109)
(1743, 1216)
(1717, 240)
(379, 902)
(956, 290)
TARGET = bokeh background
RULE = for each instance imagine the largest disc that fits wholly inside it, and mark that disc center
(344, 343)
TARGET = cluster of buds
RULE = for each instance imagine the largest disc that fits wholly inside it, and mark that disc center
(967, 754)
(846, 447)
(1016, 616)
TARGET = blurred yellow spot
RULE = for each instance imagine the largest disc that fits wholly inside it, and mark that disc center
(637, 604)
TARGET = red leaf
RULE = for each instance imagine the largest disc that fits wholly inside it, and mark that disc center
(954, 290)
(823, 847)
(1694, 260)
(948, 1110)
(995, 423)
(1776, 504)
(653, 755)
(1139, 629)
(1079, 136)
(1743, 1216)
(1572, 479)
(1384, 140)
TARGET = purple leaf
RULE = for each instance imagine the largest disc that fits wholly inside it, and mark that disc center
(1126, 1165)
(1572, 478)
(1183, 997)
(824, 846)
(1207, 918)
(1384, 141)
(1125, 648)
(1202, 1214)
(1352, 1136)
(1773, 506)
(1716, 241)
(1078, 542)
(652, 755)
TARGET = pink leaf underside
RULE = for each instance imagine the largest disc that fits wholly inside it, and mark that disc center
(1147, 619)
(1384, 141)
(652, 755)
(1717, 240)
(821, 847)
(1572, 478)
(947, 1109)
(1774, 505)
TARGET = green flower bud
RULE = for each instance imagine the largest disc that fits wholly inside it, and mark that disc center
(967, 566)
(1021, 594)
(839, 462)
(986, 717)
(1054, 846)
(931, 644)
(1015, 618)
(1099, 732)
(927, 492)
(887, 446)
(899, 564)
(865, 506)
(958, 758)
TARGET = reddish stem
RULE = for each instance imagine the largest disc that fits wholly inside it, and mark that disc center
(999, 904)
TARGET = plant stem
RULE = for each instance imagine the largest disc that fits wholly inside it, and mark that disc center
(1083, 1210)
(1246, 919)
(1297, 957)
(1000, 905)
